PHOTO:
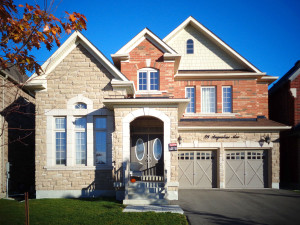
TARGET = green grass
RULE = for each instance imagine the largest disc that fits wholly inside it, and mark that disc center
(79, 211)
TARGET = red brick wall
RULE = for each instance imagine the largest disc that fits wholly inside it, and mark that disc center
(296, 84)
(249, 98)
(146, 50)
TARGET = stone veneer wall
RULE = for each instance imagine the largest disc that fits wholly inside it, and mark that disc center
(78, 73)
(120, 113)
(197, 140)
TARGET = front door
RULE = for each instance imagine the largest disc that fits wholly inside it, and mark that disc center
(147, 149)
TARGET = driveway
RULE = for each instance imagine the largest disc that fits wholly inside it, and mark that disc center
(266, 206)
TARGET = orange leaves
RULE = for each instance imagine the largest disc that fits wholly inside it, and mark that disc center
(33, 26)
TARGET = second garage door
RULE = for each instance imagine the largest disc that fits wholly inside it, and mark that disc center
(246, 169)
(197, 169)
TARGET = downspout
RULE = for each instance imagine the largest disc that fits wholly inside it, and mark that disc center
(2, 181)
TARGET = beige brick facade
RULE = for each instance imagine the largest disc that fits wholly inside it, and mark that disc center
(78, 74)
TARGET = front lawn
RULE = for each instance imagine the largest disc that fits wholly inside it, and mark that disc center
(79, 211)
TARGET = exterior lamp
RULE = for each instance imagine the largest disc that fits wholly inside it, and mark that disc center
(179, 139)
(261, 142)
(267, 139)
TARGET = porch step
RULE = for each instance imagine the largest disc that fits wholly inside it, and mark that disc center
(143, 184)
(143, 190)
(145, 193)
(145, 202)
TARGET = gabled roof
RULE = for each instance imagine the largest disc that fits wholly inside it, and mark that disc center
(145, 34)
(70, 44)
(197, 25)
(291, 75)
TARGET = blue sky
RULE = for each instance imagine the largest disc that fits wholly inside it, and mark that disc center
(265, 32)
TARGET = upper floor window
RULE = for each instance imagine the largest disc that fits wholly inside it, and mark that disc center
(148, 79)
(80, 105)
(190, 46)
(190, 93)
(208, 99)
(227, 99)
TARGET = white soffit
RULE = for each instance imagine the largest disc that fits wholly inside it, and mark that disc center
(69, 45)
(144, 34)
(212, 36)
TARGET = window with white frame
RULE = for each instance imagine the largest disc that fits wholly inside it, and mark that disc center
(60, 140)
(208, 99)
(100, 133)
(148, 79)
(190, 94)
(227, 99)
(190, 46)
(80, 105)
(80, 140)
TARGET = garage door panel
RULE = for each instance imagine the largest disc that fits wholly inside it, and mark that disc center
(234, 173)
(246, 169)
(185, 173)
(202, 169)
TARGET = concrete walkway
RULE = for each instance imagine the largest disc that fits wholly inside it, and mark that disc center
(154, 208)
(244, 207)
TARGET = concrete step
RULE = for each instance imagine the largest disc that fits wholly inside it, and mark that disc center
(142, 184)
(157, 190)
(145, 202)
(145, 196)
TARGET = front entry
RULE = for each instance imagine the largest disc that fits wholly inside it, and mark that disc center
(147, 146)
(147, 150)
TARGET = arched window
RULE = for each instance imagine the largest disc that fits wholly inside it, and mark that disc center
(190, 46)
(148, 79)
(80, 105)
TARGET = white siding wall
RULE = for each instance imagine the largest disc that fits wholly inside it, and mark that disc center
(207, 55)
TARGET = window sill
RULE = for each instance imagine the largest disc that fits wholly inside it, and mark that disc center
(67, 168)
(150, 92)
(210, 114)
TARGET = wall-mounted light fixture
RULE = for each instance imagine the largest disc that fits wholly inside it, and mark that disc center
(264, 139)
(179, 139)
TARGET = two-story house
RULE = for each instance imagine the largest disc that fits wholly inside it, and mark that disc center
(284, 103)
(183, 112)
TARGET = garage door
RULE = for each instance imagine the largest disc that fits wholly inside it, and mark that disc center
(197, 169)
(246, 169)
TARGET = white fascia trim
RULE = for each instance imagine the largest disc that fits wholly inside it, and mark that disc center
(210, 128)
(218, 75)
(200, 27)
(128, 85)
(145, 101)
(295, 75)
(268, 79)
(145, 33)
(68, 46)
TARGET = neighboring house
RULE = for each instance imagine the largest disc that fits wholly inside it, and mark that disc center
(17, 133)
(99, 125)
(284, 103)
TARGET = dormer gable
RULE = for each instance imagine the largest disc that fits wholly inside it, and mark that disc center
(145, 34)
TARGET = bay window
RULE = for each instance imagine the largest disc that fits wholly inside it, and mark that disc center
(100, 127)
(80, 140)
(60, 140)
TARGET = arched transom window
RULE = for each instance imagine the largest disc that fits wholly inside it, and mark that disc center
(80, 105)
(148, 79)
(190, 46)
